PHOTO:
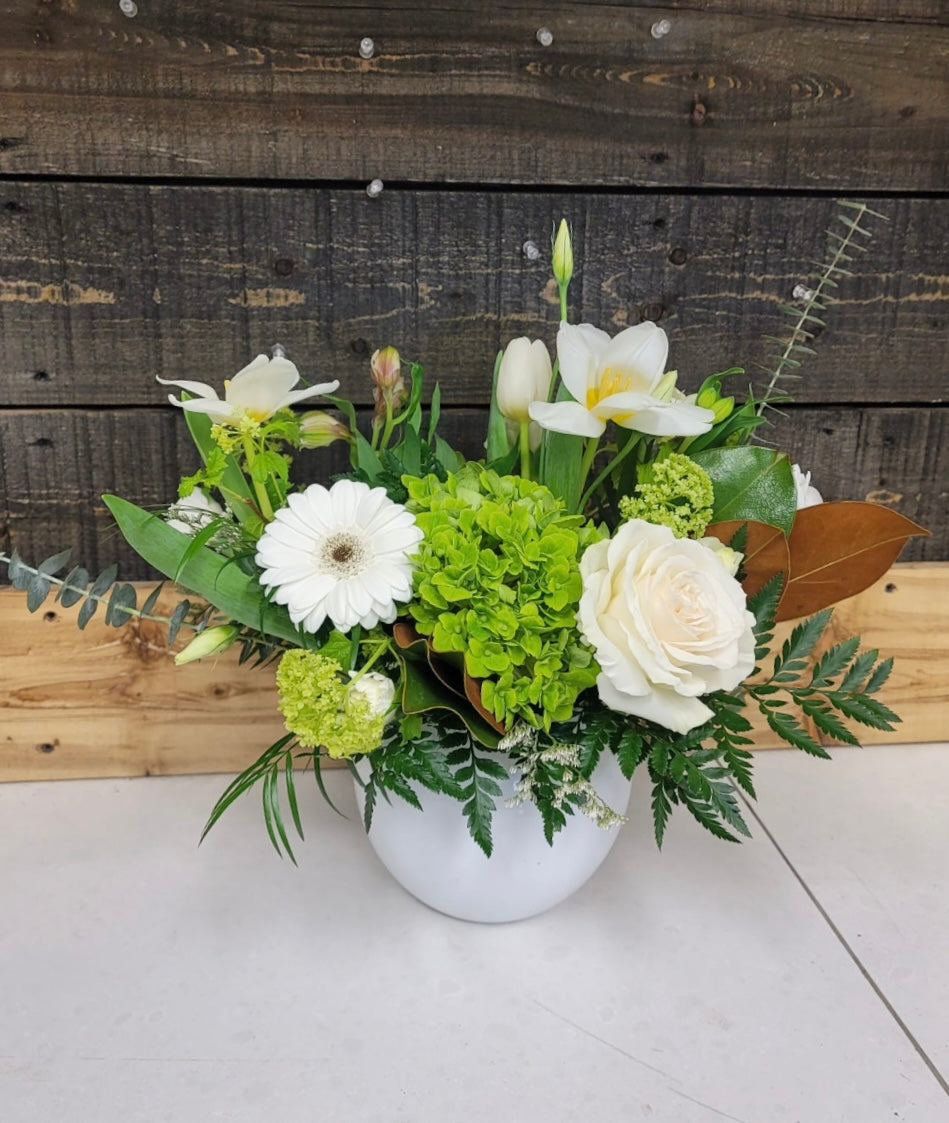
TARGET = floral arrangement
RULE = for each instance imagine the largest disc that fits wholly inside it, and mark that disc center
(607, 578)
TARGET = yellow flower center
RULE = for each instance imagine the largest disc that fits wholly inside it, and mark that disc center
(611, 381)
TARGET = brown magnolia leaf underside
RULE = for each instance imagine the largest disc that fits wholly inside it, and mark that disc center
(838, 550)
(766, 551)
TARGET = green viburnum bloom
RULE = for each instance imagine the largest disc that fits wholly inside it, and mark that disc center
(497, 579)
(672, 491)
(322, 710)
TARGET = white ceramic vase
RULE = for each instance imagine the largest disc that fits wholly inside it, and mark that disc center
(431, 854)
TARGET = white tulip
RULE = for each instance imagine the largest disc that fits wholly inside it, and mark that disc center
(620, 380)
(524, 377)
(255, 393)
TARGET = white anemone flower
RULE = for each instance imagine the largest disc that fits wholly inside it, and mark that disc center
(255, 393)
(621, 380)
(343, 552)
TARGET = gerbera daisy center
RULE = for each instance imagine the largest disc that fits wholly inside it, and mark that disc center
(344, 553)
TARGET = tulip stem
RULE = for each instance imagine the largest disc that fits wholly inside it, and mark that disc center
(525, 446)
(260, 488)
(589, 453)
(609, 469)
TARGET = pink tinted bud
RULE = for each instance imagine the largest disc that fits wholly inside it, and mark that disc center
(389, 386)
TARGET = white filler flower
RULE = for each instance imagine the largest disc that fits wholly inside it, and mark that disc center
(255, 393)
(342, 553)
(806, 494)
(194, 512)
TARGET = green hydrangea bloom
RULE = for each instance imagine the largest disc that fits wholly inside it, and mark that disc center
(672, 491)
(497, 580)
(320, 710)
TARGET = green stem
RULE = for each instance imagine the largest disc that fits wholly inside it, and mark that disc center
(563, 302)
(524, 442)
(609, 469)
(389, 426)
(260, 489)
(589, 453)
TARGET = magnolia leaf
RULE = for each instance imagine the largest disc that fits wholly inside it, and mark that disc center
(750, 483)
(218, 580)
(838, 550)
(765, 550)
(424, 688)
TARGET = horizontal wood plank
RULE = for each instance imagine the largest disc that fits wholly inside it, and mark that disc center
(108, 702)
(57, 463)
(749, 94)
(105, 286)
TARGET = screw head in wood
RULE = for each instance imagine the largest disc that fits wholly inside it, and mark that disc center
(545, 36)
(374, 189)
(660, 27)
(530, 250)
(128, 8)
(278, 351)
(366, 48)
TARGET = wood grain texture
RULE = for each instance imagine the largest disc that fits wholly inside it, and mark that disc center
(749, 94)
(104, 286)
(54, 465)
(108, 702)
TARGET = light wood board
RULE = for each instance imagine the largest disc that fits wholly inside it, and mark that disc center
(108, 702)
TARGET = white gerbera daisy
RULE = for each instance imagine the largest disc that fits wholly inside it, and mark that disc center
(342, 552)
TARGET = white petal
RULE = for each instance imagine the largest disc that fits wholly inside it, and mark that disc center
(218, 411)
(262, 385)
(670, 419)
(578, 348)
(567, 417)
(309, 392)
(201, 389)
(644, 348)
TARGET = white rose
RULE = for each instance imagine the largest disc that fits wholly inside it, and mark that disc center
(806, 495)
(194, 512)
(668, 624)
(376, 690)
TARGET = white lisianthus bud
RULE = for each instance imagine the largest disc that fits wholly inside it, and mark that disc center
(807, 496)
(524, 377)
(319, 429)
(376, 690)
(730, 559)
(212, 641)
(562, 259)
(194, 512)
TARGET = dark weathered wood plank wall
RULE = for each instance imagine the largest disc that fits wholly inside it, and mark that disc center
(182, 188)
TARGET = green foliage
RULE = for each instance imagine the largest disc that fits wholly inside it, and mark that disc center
(497, 581)
(120, 599)
(751, 483)
(843, 243)
(266, 771)
(831, 691)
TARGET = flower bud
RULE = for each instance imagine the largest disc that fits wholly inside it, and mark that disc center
(806, 495)
(723, 408)
(386, 366)
(730, 559)
(665, 389)
(389, 390)
(523, 377)
(562, 255)
(376, 690)
(212, 641)
(319, 429)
